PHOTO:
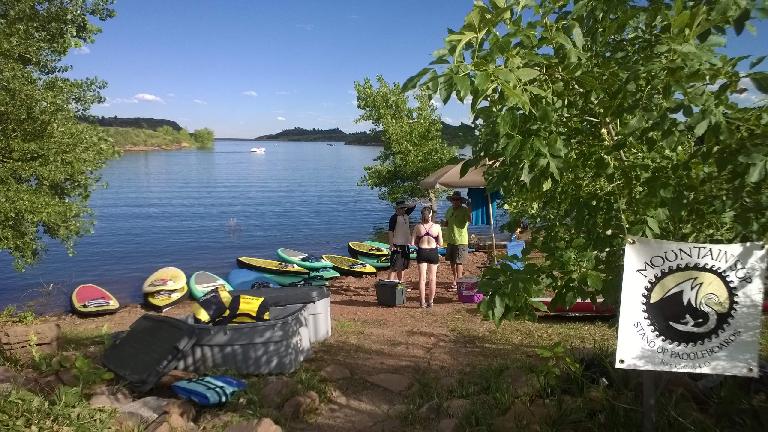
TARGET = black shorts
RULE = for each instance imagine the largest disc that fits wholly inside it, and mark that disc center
(427, 255)
(399, 258)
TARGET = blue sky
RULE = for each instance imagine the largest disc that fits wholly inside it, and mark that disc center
(248, 68)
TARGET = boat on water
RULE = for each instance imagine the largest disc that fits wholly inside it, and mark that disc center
(259, 150)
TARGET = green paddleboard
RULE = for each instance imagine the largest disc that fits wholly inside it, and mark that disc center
(302, 260)
(386, 246)
(287, 280)
(201, 282)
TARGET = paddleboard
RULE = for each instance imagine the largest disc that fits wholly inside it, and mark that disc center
(350, 266)
(163, 300)
(243, 279)
(201, 282)
(364, 249)
(302, 260)
(271, 266)
(91, 299)
(411, 249)
(165, 279)
(377, 263)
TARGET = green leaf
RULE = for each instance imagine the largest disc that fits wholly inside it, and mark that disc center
(539, 306)
(578, 37)
(526, 74)
(760, 80)
(462, 86)
(701, 128)
(756, 62)
(595, 280)
(411, 82)
(756, 172)
(652, 224)
(740, 20)
(680, 21)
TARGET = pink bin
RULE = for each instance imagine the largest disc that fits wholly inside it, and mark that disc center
(467, 290)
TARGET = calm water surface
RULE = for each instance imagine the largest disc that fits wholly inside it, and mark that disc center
(199, 210)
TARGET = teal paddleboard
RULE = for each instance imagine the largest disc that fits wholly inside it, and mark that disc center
(201, 282)
(301, 259)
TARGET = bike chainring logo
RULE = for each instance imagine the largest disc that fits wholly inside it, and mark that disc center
(689, 305)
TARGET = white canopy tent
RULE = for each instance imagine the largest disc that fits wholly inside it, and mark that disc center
(449, 176)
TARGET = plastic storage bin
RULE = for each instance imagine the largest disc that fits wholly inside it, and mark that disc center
(466, 287)
(271, 347)
(317, 312)
(390, 293)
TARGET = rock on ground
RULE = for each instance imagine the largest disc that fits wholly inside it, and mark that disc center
(277, 390)
(392, 382)
(264, 424)
(335, 372)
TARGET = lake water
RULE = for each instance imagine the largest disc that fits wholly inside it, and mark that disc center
(199, 210)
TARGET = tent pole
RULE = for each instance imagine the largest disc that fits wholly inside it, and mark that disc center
(493, 234)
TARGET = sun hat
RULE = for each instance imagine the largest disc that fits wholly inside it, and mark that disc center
(457, 195)
(401, 204)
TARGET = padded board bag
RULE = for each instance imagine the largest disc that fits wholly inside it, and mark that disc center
(151, 348)
(317, 312)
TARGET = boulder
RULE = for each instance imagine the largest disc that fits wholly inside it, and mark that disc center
(393, 382)
(128, 422)
(173, 376)
(24, 340)
(180, 408)
(149, 408)
(68, 377)
(456, 408)
(264, 424)
(448, 425)
(105, 396)
(521, 383)
(171, 423)
(276, 391)
(335, 372)
(300, 406)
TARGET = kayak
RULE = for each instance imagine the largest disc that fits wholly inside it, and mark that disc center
(201, 282)
(165, 279)
(411, 249)
(163, 300)
(364, 249)
(91, 299)
(350, 266)
(303, 260)
(377, 263)
(271, 266)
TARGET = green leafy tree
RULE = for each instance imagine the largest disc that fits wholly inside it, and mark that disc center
(203, 138)
(609, 118)
(412, 135)
(48, 159)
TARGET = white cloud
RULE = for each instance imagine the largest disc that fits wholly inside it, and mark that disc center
(201, 102)
(147, 97)
(82, 50)
(448, 120)
(122, 100)
(250, 93)
(281, 118)
(307, 27)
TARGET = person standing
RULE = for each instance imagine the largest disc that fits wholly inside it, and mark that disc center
(399, 233)
(457, 220)
(427, 236)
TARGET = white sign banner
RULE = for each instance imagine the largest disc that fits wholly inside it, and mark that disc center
(688, 307)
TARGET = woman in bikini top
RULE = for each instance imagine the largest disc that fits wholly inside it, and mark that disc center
(426, 254)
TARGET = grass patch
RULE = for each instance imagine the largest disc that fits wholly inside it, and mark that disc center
(348, 328)
(10, 315)
(79, 340)
(66, 410)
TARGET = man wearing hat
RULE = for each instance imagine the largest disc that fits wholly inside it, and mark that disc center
(457, 220)
(399, 233)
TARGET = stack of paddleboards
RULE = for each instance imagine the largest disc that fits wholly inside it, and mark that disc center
(286, 273)
(91, 299)
(165, 288)
(374, 254)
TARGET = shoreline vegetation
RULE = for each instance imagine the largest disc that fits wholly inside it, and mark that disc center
(460, 136)
(147, 134)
